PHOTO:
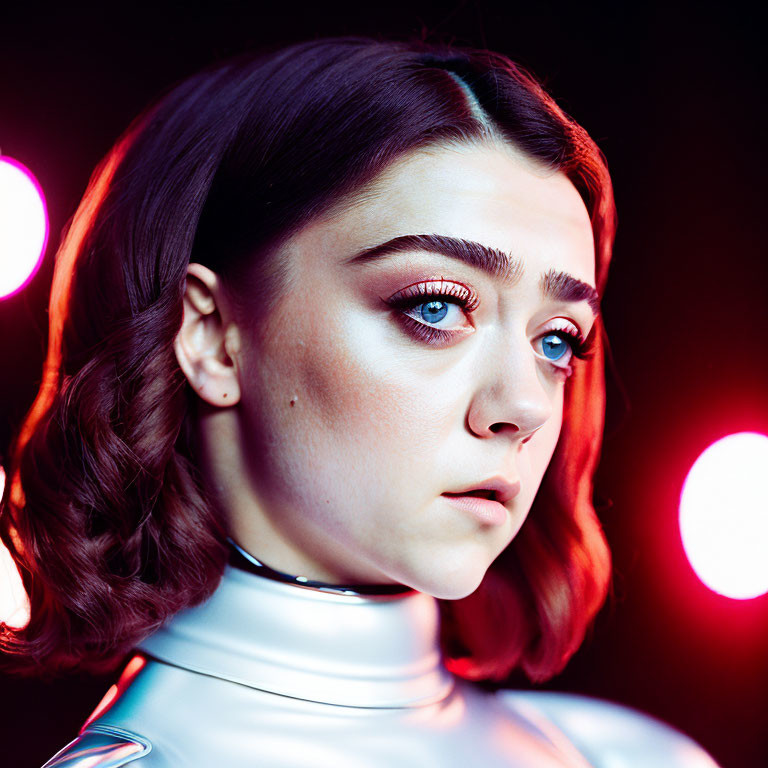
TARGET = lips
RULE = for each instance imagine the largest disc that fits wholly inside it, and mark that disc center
(497, 488)
(482, 492)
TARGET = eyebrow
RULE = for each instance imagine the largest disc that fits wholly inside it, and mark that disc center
(553, 284)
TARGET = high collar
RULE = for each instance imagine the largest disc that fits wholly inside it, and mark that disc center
(244, 560)
(347, 649)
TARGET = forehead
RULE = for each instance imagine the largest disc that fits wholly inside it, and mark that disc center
(486, 193)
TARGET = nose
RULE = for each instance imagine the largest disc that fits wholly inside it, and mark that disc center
(511, 394)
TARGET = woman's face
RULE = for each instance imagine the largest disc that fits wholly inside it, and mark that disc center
(358, 411)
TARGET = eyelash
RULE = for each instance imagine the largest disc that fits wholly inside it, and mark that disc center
(461, 296)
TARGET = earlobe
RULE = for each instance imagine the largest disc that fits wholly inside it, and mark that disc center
(206, 346)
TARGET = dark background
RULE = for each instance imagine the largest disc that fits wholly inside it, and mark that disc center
(675, 98)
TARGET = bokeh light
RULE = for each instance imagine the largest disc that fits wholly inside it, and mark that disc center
(23, 226)
(724, 516)
(14, 602)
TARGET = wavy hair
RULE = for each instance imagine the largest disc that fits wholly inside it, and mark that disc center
(105, 511)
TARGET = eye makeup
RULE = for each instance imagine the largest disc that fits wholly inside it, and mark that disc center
(427, 292)
(442, 288)
(458, 294)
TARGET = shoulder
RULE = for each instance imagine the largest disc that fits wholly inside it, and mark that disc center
(104, 746)
(610, 734)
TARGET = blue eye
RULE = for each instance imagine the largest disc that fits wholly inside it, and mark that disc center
(430, 306)
(552, 343)
(434, 311)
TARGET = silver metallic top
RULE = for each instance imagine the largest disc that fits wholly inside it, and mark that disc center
(352, 650)
(276, 673)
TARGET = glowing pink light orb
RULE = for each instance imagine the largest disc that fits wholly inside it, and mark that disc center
(724, 516)
(23, 226)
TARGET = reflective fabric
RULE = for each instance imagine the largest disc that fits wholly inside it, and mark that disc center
(101, 747)
(279, 675)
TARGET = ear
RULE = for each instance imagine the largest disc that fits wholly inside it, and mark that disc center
(208, 345)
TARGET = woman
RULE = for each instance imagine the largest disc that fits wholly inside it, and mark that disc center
(321, 410)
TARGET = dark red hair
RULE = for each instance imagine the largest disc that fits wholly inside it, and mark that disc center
(105, 511)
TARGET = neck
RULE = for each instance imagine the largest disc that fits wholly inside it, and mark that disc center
(348, 645)
(239, 558)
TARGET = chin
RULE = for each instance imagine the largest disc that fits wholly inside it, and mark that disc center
(453, 586)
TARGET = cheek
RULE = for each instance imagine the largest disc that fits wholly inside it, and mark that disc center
(361, 412)
(356, 391)
(555, 423)
(544, 442)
